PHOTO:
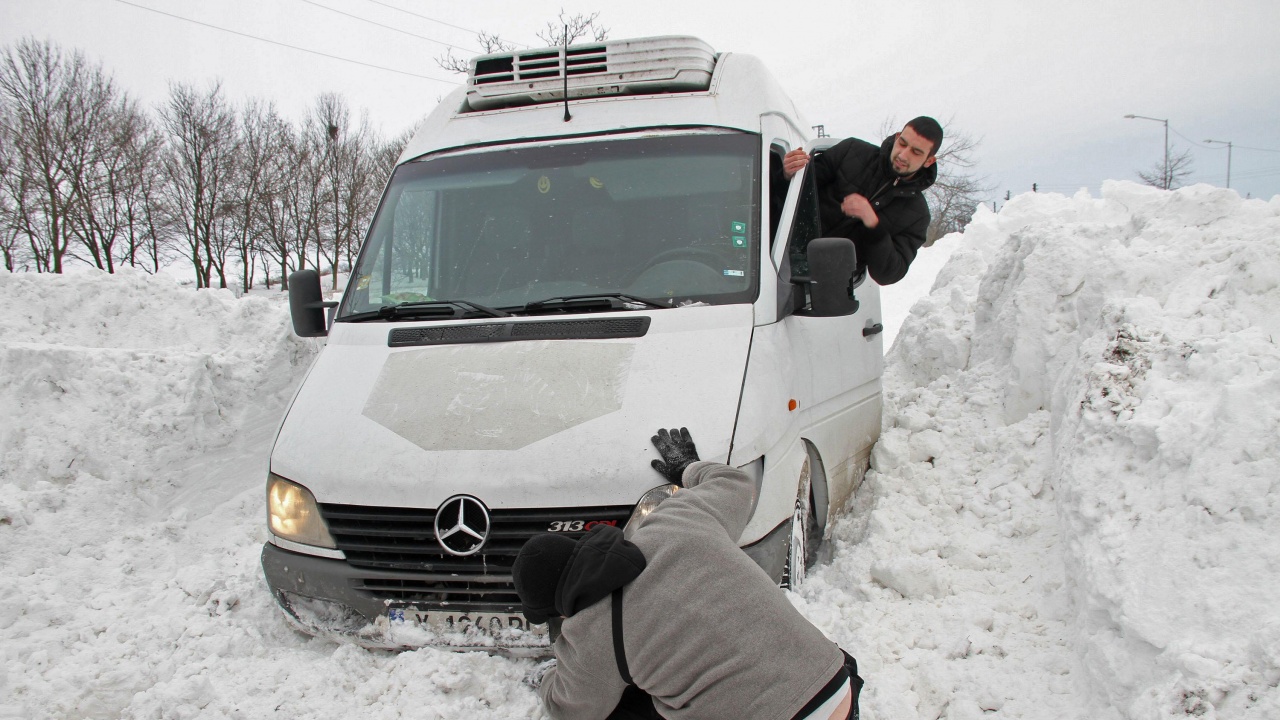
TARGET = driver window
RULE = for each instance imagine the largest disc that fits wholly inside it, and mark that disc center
(806, 226)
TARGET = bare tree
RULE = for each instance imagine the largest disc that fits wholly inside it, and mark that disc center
(276, 212)
(564, 30)
(387, 153)
(147, 241)
(567, 28)
(45, 93)
(1171, 176)
(258, 176)
(199, 164)
(9, 228)
(341, 146)
(957, 192)
(489, 43)
(120, 155)
(301, 201)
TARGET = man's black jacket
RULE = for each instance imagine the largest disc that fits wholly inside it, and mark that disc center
(857, 166)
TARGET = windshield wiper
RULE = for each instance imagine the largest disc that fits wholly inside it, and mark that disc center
(592, 301)
(425, 309)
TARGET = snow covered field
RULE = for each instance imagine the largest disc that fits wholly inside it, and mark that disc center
(1073, 514)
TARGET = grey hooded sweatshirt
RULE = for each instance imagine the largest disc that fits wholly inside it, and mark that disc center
(707, 633)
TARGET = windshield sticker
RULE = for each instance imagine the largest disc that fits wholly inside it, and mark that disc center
(739, 241)
(738, 228)
(735, 273)
(362, 283)
(544, 184)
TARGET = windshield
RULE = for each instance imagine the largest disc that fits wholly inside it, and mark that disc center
(668, 219)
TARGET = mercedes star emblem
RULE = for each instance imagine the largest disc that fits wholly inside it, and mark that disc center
(462, 525)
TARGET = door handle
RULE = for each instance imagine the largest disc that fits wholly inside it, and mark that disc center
(870, 330)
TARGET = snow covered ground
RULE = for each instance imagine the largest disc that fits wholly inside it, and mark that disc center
(1073, 512)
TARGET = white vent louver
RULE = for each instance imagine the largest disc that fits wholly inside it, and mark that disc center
(672, 63)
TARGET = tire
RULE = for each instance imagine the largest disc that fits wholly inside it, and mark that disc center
(805, 535)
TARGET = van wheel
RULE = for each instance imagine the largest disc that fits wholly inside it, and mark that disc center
(805, 537)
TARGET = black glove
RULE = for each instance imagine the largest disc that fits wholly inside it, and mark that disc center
(677, 452)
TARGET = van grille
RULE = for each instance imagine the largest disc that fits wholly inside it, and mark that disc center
(407, 565)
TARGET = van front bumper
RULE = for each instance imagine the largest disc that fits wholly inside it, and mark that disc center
(320, 596)
(293, 575)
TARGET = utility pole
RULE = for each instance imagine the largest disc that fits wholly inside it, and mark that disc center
(822, 130)
(1166, 174)
(1228, 144)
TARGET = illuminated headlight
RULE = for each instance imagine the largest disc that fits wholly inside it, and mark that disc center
(646, 505)
(293, 515)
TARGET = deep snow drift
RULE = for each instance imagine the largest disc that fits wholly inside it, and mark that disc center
(1073, 511)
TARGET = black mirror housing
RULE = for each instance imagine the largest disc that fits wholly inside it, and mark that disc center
(307, 305)
(832, 264)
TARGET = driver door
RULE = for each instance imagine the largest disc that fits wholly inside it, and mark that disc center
(842, 357)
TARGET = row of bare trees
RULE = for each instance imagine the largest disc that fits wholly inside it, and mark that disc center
(88, 175)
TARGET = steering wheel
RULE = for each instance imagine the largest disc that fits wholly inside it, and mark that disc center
(703, 256)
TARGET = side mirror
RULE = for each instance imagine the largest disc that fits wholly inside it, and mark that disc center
(307, 304)
(832, 262)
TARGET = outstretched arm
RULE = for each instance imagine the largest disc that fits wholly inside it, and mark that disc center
(720, 491)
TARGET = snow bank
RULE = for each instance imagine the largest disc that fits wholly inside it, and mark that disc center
(137, 421)
(117, 377)
(1074, 510)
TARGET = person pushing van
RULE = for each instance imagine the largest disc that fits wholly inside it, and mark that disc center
(679, 613)
(875, 195)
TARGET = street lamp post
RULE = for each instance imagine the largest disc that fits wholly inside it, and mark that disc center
(1165, 173)
(1228, 144)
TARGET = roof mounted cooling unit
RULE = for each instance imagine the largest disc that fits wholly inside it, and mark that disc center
(644, 66)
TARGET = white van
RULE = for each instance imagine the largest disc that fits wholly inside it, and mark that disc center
(548, 282)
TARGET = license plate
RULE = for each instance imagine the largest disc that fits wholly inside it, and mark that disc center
(466, 629)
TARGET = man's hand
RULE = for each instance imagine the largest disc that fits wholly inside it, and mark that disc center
(539, 671)
(856, 206)
(793, 161)
(678, 453)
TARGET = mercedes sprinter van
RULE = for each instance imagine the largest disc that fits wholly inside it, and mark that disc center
(578, 247)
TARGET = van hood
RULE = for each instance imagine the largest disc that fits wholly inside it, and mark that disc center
(531, 423)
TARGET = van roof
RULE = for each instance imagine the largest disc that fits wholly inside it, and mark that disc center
(734, 94)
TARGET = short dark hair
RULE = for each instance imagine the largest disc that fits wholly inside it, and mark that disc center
(929, 129)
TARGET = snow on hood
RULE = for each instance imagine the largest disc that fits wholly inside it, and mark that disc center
(1073, 511)
(1075, 505)
(517, 424)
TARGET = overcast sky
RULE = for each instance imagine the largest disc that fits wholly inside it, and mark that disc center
(1045, 85)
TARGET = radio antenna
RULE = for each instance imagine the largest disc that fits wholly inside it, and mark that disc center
(565, 70)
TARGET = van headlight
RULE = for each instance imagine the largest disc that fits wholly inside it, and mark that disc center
(292, 513)
(646, 505)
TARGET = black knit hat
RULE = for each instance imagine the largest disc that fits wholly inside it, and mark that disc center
(537, 572)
